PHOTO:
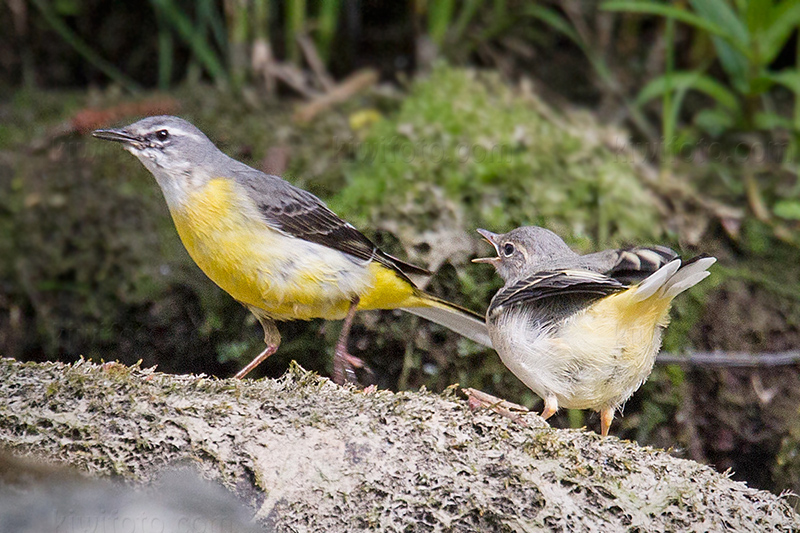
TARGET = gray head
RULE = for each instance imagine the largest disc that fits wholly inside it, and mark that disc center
(526, 250)
(163, 142)
(178, 154)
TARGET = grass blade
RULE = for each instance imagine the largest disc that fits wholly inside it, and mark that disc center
(295, 25)
(327, 22)
(785, 20)
(665, 10)
(440, 15)
(688, 81)
(84, 49)
(685, 16)
(468, 11)
(195, 40)
(166, 52)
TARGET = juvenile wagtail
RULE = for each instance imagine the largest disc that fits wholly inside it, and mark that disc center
(275, 248)
(582, 331)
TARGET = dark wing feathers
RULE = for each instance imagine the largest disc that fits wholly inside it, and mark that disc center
(301, 214)
(577, 285)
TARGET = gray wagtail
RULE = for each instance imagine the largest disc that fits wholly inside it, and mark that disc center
(275, 248)
(582, 331)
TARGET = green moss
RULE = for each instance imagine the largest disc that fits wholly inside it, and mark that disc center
(489, 153)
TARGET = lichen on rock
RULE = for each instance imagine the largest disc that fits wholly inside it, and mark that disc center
(305, 454)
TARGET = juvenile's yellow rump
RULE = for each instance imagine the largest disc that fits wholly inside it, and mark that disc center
(273, 247)
(582, 331)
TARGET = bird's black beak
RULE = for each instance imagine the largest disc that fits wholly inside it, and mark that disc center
(491, 238)
(120, 136)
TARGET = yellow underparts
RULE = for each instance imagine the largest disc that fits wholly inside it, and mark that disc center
(636, 321)
(612, 347)
(288, 278)
(619, 324)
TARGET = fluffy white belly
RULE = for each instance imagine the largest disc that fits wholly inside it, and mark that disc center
(581, 367)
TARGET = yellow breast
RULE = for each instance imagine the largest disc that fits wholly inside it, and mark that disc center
(289, 278)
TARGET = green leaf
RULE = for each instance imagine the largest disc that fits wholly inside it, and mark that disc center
(789, 78)
(67, 8)
(757, 14)
(785, 19)
(735, 65)
(555, 21)
(81, 47)
(789, 209)
(466, 16)
(558, 23)
(689, 80)
(771, 121)
(760, 85)
(440, 17)
(665, 10)
(734, 53)
(192, 36)
(208, 13)
(714, 121)
(721, 13)
(735, 34)
(327, 20)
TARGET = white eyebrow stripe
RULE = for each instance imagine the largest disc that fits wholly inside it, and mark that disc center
(178, 131)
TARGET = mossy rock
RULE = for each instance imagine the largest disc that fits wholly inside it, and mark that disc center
(305, 454)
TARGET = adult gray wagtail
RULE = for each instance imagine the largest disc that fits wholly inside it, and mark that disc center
(276, 248)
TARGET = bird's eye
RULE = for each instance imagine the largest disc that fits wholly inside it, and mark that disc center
(162, 135)
(508, 249)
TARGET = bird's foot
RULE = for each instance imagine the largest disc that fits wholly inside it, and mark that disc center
(346, 367)
(481, 400)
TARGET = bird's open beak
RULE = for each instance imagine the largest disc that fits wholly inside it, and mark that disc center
(120, 136)
(491, 238)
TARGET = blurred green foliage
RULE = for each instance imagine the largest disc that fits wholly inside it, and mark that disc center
(747, 37)
(497, 156)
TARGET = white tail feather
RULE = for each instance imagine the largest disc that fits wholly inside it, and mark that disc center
(685, 283)
(656, 280)
(463, 324)
(672, 279)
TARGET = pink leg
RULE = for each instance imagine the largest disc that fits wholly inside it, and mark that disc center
(271, 336)
(550, 407)
(260, 358)
(344, 364)
(606, 417)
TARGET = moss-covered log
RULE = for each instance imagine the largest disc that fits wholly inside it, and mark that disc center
(308, 455)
